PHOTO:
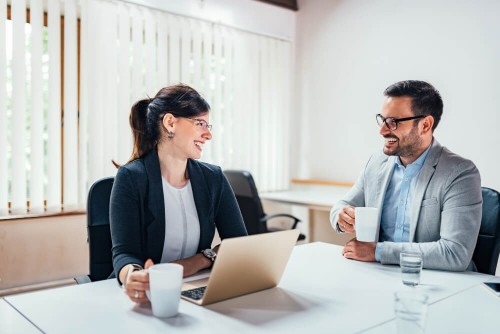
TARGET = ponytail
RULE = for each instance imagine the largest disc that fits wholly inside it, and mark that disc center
(143, 143)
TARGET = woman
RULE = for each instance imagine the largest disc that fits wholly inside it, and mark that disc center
(165, 205)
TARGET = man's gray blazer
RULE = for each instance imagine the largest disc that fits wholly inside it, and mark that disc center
(446, 208)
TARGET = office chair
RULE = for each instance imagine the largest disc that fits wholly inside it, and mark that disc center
(99, 234)
(250, 205)
(488, 242)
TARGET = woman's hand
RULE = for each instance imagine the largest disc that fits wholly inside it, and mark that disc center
(136, 282)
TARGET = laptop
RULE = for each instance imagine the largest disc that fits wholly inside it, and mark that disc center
(244, 265)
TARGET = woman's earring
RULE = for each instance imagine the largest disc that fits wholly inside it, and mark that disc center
(170, 134)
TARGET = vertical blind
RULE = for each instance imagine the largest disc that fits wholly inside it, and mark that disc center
(33, 119)
(70, 108)
(18, 125)
(134, 51)
(36, 176)
(4, 179)
(64, 114)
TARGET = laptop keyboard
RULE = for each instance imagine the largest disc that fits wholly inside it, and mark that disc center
(195, 294)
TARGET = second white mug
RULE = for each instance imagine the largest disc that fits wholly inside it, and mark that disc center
(367, 224)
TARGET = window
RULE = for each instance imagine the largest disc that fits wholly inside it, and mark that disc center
(70, 90)
(245, 77)
(40, 78)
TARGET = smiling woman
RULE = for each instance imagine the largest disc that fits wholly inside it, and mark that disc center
(166, 205)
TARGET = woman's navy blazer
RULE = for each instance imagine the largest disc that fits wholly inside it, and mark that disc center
(137, 209)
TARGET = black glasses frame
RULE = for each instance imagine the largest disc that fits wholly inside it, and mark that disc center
(392, 123)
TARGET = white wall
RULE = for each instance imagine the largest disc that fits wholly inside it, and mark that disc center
(349, 51)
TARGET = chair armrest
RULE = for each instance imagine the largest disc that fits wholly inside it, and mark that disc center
(266, 218)
(82, 279)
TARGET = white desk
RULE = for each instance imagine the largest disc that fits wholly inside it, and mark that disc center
(12, 322)
(474, 310)
(320, 292)
(318, 199)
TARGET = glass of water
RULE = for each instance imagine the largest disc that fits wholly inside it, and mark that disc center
(410, 308)
(411, 266)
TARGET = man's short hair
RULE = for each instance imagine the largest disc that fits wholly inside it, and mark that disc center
(426, 99)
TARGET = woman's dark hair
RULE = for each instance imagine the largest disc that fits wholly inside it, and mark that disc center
(146, 115)
(426, 99)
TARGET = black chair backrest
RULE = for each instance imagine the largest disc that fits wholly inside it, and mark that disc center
(488, 243)
(248, 199)
(99, 234)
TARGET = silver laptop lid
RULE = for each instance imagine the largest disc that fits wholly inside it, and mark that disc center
(249, 264)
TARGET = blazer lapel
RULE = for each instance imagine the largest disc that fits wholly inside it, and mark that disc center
(156, 206)
(383, 178)
(423, 181)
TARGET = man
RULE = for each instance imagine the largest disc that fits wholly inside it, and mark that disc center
(429, 198)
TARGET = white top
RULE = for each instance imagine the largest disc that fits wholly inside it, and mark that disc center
(182, 226)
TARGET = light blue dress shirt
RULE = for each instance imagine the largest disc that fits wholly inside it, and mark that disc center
(396, 210)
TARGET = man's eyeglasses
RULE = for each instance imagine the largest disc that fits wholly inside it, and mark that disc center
(201, 123)
(392, 123)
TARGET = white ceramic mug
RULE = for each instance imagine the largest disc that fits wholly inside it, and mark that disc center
(165, 281)
(367, 224)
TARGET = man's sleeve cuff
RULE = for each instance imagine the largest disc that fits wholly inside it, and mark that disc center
(378, 251)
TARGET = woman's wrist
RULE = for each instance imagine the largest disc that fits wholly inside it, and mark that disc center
(128, 269)
(205, 262)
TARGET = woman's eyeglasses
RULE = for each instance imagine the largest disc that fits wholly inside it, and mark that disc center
(201, 123)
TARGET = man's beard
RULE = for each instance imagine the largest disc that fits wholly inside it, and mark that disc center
(412, 143)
